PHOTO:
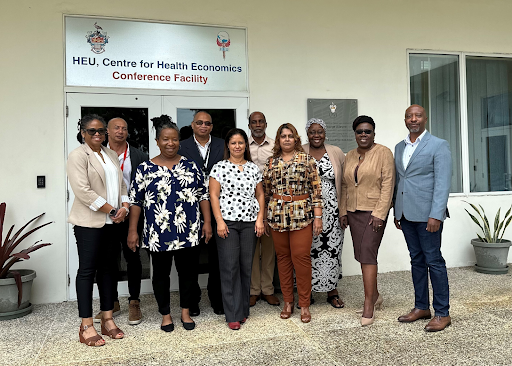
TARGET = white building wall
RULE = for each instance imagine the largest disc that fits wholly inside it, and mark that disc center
(297, 50)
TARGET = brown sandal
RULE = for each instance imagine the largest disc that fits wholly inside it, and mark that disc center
(112, 333)
(305, 318)
(287, 314)
(91, 341)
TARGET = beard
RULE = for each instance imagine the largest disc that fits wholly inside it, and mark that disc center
(258, 134)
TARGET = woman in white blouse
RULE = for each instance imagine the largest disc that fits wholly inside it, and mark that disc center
(101, 200)
(237, 199)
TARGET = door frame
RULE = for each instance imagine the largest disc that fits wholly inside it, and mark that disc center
(158, 102)
(74, 102)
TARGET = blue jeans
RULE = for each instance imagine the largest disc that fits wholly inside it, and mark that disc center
(425, 250)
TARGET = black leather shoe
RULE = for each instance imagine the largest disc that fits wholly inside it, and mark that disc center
(219, 311)
(188, 326)
(194, 310)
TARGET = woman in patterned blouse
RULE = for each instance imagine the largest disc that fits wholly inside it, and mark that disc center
(170, 189)
(293, 194)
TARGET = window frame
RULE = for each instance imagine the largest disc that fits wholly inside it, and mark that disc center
(464, 133)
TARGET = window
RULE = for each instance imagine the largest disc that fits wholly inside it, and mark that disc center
(479, 130)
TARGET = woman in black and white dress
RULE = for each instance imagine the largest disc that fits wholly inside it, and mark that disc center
(237, 199)
(327, 247)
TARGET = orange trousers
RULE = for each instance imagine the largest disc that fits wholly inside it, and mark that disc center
(293, 249)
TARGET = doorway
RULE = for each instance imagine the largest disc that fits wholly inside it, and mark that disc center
(137, 110)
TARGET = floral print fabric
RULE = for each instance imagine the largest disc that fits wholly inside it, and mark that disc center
(170, 202)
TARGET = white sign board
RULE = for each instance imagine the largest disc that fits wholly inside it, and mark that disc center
(134, 54)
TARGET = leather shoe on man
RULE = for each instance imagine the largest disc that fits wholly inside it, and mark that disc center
(194, 310)
(253, 299)
(438, 323)
(414, 315)
(271, 299)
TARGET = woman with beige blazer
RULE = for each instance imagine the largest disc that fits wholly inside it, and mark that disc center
(367, 189)
(101, 201)
(327, 247)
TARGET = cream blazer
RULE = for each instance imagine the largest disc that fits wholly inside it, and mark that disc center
(337, 159)
(87, 179)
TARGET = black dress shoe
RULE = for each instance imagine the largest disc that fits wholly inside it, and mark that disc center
(188, 326)
(219, 311)
(167, 328)
(194, 310)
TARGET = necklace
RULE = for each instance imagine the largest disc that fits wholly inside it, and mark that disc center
(361, 156)
(240, 163)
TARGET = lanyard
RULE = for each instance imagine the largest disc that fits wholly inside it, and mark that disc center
(124, 157)
(206, 158)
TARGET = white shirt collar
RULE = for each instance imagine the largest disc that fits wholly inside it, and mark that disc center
(418, 139)
(206, 145)
(127, 148)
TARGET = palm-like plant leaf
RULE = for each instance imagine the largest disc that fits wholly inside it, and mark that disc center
(8, 245)
(496, 226)
(499, 227)
(506, 224)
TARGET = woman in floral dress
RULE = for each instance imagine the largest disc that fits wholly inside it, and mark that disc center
(170, 190)
(326, 248)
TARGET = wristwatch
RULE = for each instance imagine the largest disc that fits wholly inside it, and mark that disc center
(112, 212)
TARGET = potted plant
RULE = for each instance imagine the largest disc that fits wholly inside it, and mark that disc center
(16, 285)
(491, 250)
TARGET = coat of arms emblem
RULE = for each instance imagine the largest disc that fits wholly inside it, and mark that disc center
(97, 39)
(223, 42)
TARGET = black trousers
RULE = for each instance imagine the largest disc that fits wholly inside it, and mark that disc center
(214, 289)
(96, 258)
(187, 260)
(133, 263)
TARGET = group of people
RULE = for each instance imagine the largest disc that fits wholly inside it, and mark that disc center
(247, 200)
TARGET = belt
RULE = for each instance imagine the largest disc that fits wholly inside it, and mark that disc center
(290, 198)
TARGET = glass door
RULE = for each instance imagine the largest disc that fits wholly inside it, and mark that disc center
(137, 111)
(227, 113)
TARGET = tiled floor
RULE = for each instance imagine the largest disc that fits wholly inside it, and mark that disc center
(481, 334)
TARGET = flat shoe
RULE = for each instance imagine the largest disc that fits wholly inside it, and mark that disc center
(234, 325)
(188, 326)
(167, 328)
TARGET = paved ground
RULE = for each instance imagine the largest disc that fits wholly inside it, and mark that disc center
(481, 333)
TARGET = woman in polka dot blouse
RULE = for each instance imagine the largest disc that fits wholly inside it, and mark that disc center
(237, 199)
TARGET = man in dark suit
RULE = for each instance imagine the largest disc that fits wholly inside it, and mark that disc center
(129, 159)
(206, 151)
(423, 176)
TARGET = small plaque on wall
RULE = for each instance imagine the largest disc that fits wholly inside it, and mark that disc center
(338, 115)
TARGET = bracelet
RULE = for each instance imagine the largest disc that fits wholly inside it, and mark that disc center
(127, 210)
(318, 217)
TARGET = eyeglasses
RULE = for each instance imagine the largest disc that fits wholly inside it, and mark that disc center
(93, 131)
(200, 123)
(367, 132)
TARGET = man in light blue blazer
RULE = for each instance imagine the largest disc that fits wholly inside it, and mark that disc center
(423, 176)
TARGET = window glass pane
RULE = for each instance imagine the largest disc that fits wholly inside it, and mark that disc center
(223, 120)
(489, 85)
(435, 86)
